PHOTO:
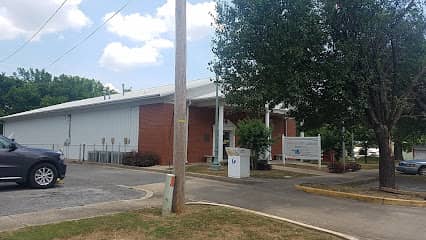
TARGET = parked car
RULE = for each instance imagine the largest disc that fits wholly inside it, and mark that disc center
(412, 167)
(38, 168)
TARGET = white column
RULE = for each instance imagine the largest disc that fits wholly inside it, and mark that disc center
(268, 154)
(221, 119)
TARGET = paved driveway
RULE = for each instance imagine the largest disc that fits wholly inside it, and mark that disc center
(363, 220)
(83, 185)
(93, 184)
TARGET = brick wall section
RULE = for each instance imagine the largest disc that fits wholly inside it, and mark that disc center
(278, 125)
(278, 129)
(156, 131)
(291, 124)
(200, 133)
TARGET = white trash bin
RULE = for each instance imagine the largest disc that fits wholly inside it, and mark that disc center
(238, 162)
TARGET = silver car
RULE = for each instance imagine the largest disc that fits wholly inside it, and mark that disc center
(412, 167)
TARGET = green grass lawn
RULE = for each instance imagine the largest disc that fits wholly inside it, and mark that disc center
(271, 174)
(309, 167)
(198, 222)
(369, 163)
(369, 166)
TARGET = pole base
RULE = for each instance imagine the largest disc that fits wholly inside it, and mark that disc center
(215, 166)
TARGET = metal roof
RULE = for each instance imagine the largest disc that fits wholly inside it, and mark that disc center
(138, 95)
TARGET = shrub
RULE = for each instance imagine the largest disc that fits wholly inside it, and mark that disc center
(254, 135)
(263, 165)
(337, 167)
(146, 159)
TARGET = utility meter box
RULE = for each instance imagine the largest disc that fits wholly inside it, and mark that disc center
(238, 162)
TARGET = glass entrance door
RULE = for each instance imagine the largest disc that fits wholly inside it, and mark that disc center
(226, 142)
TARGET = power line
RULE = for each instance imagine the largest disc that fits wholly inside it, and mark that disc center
(35, 34)
(88, 36)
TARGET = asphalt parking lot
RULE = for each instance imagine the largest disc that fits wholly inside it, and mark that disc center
(84, 184)
(95, 184)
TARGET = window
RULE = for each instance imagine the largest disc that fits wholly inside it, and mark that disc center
(4, 143)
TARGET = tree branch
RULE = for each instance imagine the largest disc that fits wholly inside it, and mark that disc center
(401, 15)
(415, 82)
(421, 103)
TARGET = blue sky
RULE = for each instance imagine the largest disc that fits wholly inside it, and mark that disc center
(136, 48)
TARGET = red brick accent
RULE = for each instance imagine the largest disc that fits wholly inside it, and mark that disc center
(200, 133)
(291, 124)
(156, 131)
(278, 125)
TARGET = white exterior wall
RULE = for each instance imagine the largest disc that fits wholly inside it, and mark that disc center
(87, 127)
(419, 154)
(38, 132)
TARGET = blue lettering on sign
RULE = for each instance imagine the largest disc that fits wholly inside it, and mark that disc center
(234, 161)
(296, 151)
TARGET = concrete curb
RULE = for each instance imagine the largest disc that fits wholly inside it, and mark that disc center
(226, 179)
(52, 216)
(361, 197)
(337, 234)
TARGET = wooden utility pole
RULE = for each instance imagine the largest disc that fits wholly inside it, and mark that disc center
(180, 116)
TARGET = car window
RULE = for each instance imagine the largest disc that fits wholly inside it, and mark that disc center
(4, 143)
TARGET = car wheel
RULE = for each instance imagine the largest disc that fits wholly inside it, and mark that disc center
(422, 171)
(43, 175)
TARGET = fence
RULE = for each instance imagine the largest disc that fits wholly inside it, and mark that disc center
(106, 153)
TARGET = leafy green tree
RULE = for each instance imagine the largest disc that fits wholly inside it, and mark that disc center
(322, 56)
(20, 99)
(366, 137)
(330, 137)
(267, 51)
(253, 134)
(28, 89)
(408, 132)
(380, 48)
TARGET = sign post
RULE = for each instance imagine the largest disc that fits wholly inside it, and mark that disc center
(169, 186)
(304, 148)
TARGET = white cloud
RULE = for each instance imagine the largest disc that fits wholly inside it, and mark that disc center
(154, 32)
(21, 18)
(136, 27)
(199, 18)
(116, 56)
(112, 87)
(9, 31)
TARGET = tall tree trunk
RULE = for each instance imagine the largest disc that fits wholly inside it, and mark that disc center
(386, 163)
(397, 150)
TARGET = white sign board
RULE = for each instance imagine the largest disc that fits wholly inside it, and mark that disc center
(304, 148)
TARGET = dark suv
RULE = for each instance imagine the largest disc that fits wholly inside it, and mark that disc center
(38, 168)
